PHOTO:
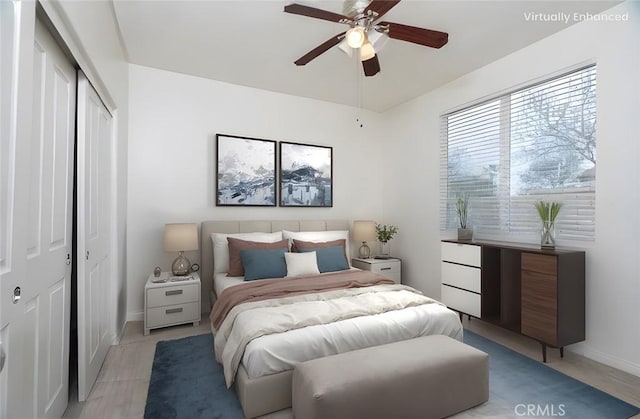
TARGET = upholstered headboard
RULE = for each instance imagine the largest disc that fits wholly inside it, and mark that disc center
(230, 227)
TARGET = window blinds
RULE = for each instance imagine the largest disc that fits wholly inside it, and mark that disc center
(505, 154)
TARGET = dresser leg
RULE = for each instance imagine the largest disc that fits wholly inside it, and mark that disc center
(562, 352)
(469, 317)
(544, 352)
(460, 314)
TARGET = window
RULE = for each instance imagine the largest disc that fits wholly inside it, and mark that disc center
(537, 143)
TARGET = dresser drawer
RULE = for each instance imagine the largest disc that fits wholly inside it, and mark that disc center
(460, 300)
(545, 264)
(466, 254)
(174, 314)
(465, 277)
(177, 294)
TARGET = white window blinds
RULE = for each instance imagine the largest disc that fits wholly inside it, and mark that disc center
(537, 143)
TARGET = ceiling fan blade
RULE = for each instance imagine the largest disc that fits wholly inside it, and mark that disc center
(322, 48)
(426, 37)
(381, 6)
(299, 9)
(371, 66)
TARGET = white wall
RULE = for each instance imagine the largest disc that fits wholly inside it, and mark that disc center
(90, 31)
(173, 122)
(613, 267)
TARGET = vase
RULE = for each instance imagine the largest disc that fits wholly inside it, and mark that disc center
(548, 235)
(384, 248)
(465, 234)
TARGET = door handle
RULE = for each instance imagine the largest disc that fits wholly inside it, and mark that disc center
(3, 356)
(16, 295)
(173, 292)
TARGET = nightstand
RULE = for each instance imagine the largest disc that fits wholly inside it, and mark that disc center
(391, 268)
(171, 302)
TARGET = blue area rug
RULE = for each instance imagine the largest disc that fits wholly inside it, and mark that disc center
(529, 388)
(187, 382)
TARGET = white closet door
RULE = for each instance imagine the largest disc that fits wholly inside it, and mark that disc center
(94, 234)
(37, 199)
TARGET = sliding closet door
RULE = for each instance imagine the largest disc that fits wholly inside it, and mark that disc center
(14, 390)
(95, 276)
(37, 199)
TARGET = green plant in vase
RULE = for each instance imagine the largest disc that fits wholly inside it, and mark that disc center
(548, 212)
(462, 211)
(385, 233)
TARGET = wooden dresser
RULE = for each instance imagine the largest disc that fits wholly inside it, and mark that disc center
(538, 293)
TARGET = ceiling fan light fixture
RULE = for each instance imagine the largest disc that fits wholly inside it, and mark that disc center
(355, 37)
(367, 52)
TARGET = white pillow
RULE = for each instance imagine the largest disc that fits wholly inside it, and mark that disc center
(319, 237)
(221, 246)
(299, 264)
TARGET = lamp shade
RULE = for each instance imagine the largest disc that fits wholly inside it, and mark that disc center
(364, 230)
(366, 51)
(180, 237)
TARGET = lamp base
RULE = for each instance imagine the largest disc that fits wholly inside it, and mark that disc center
(181, 266)
(365, 251)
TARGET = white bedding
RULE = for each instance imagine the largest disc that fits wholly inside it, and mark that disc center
(221, 281)
(281, 352)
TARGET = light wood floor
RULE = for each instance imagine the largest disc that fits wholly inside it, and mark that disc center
(121, 388)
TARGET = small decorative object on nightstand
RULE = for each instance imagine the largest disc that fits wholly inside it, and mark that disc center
(391, 268)
(175, 300)
(157, 271)
(384, 234)
(364, 231)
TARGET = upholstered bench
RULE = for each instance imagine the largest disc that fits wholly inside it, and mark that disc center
(427, 377)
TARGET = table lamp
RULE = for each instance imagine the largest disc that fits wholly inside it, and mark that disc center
(180, 237)
(364, 231)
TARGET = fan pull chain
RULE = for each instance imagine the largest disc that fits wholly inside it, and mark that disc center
(358, 74)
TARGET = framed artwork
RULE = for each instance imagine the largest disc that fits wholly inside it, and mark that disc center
(306, 175)
(246, 171)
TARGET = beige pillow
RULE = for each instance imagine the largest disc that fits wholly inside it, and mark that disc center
(299, 264)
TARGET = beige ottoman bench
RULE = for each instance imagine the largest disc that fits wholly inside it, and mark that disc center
(427, 377)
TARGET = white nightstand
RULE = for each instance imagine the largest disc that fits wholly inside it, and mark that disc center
(172, 302)
(391, 268)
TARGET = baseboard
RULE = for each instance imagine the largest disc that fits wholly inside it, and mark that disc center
(135, 316)
(611, 361)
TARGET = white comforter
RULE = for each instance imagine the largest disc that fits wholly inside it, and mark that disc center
(273, 335)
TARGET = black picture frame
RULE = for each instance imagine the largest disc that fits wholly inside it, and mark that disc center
(245, 172)
(306, 175)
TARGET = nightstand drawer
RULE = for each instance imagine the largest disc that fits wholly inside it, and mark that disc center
(178, 294)
(388, 269)
(173, 314)
(460, 276)
(461, 300)
(466, 254)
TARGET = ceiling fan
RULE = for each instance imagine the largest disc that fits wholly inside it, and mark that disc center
(364, 25)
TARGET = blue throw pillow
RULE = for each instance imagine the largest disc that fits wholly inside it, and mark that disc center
(263, 263)
(330, 259)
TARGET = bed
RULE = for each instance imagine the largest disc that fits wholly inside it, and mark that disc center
(263, 371)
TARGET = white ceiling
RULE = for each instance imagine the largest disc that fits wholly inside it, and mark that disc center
(254, 43)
